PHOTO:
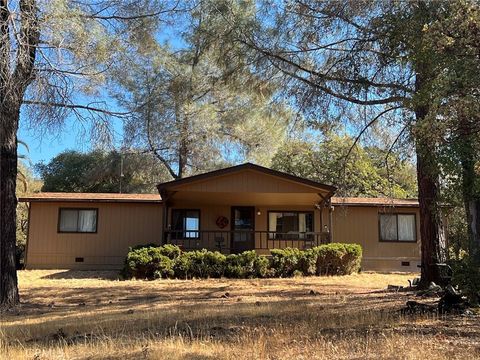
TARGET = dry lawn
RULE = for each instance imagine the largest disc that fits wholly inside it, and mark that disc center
(91, 315)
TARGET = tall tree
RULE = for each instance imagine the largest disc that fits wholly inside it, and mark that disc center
(456, 103)
(191, 112)
(364, 56)
(50, 52)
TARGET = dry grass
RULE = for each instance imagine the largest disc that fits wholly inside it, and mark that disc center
(90, 315)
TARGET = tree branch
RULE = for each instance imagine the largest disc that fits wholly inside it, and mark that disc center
(370, 123)
(76, 107)
(323, 76)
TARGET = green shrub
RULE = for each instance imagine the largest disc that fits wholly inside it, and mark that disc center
(182, 266)
(141, 246)
(147, 263)
(466, 276)
(153, 262)
(307, 263)
(246, 265)
(170, 251)
(262, 267)
(338, 258)
(285, 261)
(164, 268)
(200, 264)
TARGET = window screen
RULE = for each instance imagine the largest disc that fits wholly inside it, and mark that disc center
(397, 227)
(78, 220)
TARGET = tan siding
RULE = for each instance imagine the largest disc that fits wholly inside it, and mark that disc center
(360, 225)
(120, 225)
(351, 224)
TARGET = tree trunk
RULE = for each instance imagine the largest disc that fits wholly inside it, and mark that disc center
(473, 220)
(471, 197)
(431, 227)
(8, 205)
(433, 240)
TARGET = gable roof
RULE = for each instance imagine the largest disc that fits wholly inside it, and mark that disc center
(247, 166)
(91, 197)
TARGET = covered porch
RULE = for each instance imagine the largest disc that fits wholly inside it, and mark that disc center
(246, 207)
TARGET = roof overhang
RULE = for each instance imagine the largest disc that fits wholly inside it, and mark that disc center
(91, 198)
(374, 202)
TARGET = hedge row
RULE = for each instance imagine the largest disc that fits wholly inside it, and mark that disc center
(168, 261)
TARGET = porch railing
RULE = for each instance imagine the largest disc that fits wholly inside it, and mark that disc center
(241, 240)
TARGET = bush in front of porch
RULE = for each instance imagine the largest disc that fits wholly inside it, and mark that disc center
(327, 259)
(168, 261)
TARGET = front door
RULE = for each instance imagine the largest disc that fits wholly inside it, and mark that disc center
(243, 226)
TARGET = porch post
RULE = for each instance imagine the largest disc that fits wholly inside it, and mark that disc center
(330, 218)
(164, 225)
(165, 198)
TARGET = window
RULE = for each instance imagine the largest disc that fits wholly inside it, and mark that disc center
(290, 224)
(397, 227)
(185, 224)
(77, 220)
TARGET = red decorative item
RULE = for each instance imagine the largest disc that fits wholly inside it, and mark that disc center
(221, 222)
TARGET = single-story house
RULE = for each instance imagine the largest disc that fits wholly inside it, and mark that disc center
(244, 207)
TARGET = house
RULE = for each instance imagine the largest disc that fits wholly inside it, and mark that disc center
(244, 207)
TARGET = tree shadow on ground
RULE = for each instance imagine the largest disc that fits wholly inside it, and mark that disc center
(84, 274)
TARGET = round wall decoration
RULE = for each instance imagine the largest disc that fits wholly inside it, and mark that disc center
(221, 222)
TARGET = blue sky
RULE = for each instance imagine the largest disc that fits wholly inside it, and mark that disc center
(43, 147)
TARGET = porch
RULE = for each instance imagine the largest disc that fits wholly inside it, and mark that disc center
(246, 207)
(236, 241)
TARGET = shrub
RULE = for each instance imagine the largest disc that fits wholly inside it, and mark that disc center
(164, 268)
(466, 276)
(152, 262)
(246, 265)
(141, 246)
(147, 263)
(182, 266)
(297, 273)
(307, 263)
(338, 258)
(200, 264)
(170, 251)
(285, 261)
(261, 266)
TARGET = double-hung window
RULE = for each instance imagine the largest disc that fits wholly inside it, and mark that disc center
(398, 227)
(185, 224)
(77, 220)
(290, 224)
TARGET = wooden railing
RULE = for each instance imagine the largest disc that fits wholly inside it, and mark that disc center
(241, 240)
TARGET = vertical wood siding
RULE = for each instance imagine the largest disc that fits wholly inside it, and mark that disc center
(119, 226)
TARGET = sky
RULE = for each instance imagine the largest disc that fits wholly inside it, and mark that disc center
(43, 147)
